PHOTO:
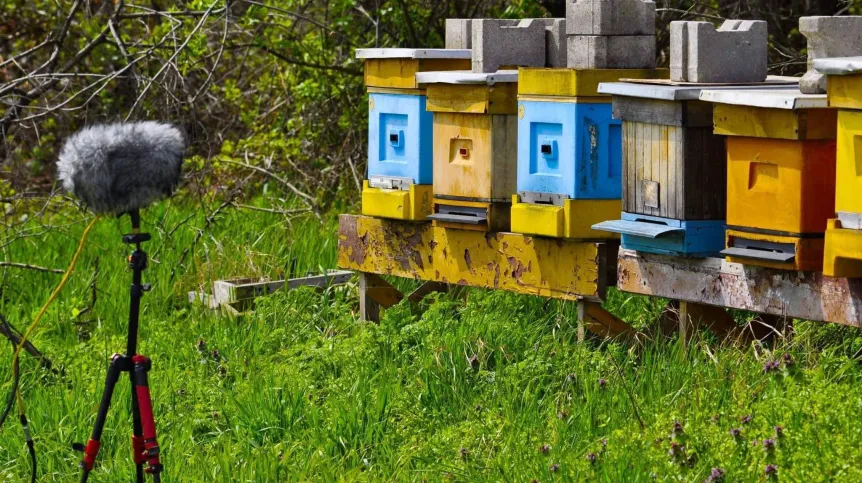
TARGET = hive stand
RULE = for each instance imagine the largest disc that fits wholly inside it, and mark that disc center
(781, 175)
(784, 294)
(449, 257)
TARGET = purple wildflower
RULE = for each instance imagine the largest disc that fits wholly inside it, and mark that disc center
(677, 427)
(554, 468)
(591, 458)
(771, 366)
(716, 476)
(545, 448)
(779, 431)
(746, 419)
(676, 450)
(736, 432)
(768, 445)
(788, 360)
(603, 382)
(771, 470)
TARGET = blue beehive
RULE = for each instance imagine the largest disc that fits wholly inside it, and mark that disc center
(569, 148)
(400, 137)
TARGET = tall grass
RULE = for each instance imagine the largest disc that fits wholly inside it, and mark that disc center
(486, 387)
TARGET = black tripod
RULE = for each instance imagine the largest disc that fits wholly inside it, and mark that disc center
(144, 445)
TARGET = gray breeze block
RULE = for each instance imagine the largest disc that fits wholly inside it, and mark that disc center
(496, 43)
(555, 42)
(828, 37)
(735, 53)
(610, 17)
(616, 52)
(458, 33)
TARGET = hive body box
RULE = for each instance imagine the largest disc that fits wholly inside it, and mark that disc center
(400, 130)
(569, 152)
(475, 147)
(674, 171)
(781, 175)
(843, 250)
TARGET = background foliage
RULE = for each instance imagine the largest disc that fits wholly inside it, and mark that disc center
(268, 83)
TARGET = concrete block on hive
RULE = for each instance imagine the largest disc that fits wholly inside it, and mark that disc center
(498, 43)
(735, 53)
(828, 37)
(610, 17)
(459, 33)
(556, 52)
(611, 52)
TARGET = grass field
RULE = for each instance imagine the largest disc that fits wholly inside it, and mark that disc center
(488, 387)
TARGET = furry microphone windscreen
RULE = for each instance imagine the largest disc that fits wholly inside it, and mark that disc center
(119, 168)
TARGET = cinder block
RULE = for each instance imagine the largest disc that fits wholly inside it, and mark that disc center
(459, 33)
(828, 37)
(497, 43)
(616, 52)
(735, 53)
(555, 42)
(610, 17)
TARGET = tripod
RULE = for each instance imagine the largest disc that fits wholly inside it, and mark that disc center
(144, 445)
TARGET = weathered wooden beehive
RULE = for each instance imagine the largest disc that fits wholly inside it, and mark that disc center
(400, 149)
(674, 171)
(781, 175)
(569, 152)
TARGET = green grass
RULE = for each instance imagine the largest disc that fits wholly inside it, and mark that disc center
(463, 389)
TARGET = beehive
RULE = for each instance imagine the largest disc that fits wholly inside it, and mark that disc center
(673, 170)
(781, 175)
(400, 130)
(843, 250)
(475, 147)
(569, 152)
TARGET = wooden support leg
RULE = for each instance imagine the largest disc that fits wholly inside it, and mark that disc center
(692, 316)
(767, 327)
(374, 293)
(426, 289)
(594, 318)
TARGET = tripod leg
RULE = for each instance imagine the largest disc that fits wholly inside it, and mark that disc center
(138, 432)
(92, 448)
(145, 404)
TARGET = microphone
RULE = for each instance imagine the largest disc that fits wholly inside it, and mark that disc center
(123, 167)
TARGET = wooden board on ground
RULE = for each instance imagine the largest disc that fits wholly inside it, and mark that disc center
(714, 281)
(555, 268)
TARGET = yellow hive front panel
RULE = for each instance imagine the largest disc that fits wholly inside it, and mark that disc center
(498, 215)
(475, 156)
(809, 251)
(780, 185)
(401, 73)
(577, 82)
(845, 91)
(759, 122)
(843, 254)
(412, 205)
(573, 220)
(473, 99)
(848, 189)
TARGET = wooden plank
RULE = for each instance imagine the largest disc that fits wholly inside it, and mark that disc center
(554, 268)
(788, 294)
(426, 289)
(504, 152)
(668, 113)
(379, 291)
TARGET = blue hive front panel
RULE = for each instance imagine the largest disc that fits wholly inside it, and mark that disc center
(696, 239)
(400, 133)
(574, 149)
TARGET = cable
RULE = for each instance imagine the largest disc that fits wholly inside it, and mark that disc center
(16, 373)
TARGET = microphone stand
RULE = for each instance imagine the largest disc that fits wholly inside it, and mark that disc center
(145, 447)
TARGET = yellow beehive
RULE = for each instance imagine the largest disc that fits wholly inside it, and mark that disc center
(848, 190)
